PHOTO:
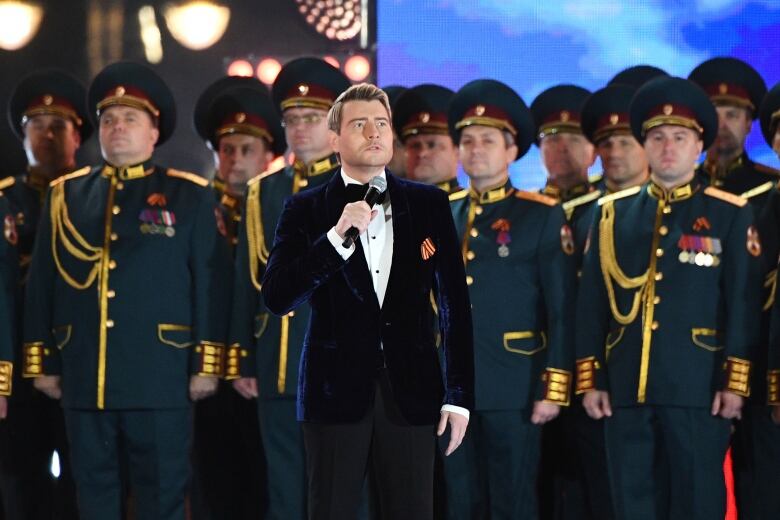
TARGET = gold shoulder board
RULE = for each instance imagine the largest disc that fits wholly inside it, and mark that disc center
(7, 182)
(620, 194)
(462, 194)
(758, 190)
(725, 196)
(536, 197)
(78, 173)
(197, 179)
(582, 199)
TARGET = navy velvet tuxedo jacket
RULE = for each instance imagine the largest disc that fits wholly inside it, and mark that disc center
(349, 336)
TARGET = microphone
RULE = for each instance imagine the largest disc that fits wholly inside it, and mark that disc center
(376, 187)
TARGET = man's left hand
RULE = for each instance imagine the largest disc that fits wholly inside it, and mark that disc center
(202, 387)
(544, 412)
(458, 424)
(727, 404)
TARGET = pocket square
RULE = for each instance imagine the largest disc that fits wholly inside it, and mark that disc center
(427, 249)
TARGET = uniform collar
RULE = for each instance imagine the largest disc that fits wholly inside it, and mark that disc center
(449, 186)
(494, 194)
(677, 194)
(565, 195)
(710, 167)
(226, 199)
(135, 171)
(318, 167)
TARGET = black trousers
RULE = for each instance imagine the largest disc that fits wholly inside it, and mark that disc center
(154, 445)
(666, 463)
(400, 456)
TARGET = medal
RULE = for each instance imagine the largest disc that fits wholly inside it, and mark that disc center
(503, 238)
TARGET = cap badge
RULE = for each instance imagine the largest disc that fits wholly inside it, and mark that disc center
(479, 110)
(425, 117)
(303, 89)
(565, 116)
(668, 109)
(613, 119)
(723, 88)
(240, 117)
(120, 91)
(48, 100)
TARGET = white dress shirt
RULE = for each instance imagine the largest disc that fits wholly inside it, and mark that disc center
(377, 242)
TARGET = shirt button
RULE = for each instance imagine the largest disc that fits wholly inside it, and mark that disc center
(111, 293)
(470, 255)
(654, 325)
(474, 233)
(115, 210)
(110, 324)
(659, 252)
(112, 264)
(663, 231)
(469, 280)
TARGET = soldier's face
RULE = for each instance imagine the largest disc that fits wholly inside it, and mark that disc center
(566, 157)
(241, 157)
(127, 135)
(51, 141)
(672, 151)
(306, 130)
(734, 124)
(430, 158)
(623, 159)
(365, 140)
(485, 154)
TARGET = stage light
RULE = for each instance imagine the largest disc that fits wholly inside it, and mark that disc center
(334, 19)
(267, 70)
(19, 22)
(241, 68)
(357, 68)
(150, 34)
(197, 25)
(332, 60)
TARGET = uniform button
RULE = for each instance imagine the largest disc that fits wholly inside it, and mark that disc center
(115, 210)
(659, 252)
(478, 210)
(474, 233)
(111, 293)
(234, 241)
(667, 210)
(291, 314)
(469, 280)
(659, 277)
(657, 300)
(112, 264)
(120, 186)
(110, 323)
(114, 236)
(654, 325)
(470, 255)
(303, 182)
(663, 231)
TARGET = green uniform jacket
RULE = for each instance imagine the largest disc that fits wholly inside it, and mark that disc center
(521, 278)
(668, 305)
(128, 294)
(8, 281)
(263, 345)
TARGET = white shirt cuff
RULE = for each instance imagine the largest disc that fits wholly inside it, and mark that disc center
(336, 240)
(455, 409)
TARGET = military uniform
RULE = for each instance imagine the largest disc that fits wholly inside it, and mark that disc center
(521, 345)
(36, 427)
(732, 82)
(126, 300)
(262, 345)
(667, 316)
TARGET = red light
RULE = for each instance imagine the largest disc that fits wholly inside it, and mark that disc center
(267, 70)
(241, 68)
(357, 68)
(333, 61)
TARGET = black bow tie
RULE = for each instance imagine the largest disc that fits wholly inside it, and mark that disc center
(356, 192)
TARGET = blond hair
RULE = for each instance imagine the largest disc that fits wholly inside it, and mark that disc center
(360, 92)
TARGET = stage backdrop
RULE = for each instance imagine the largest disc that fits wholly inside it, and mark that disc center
(532, 45)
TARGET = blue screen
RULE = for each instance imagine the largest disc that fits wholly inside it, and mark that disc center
(532, 45)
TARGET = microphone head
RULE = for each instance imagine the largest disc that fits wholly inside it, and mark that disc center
(378, 183)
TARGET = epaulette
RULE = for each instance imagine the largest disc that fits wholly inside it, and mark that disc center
(260, 176)
(725, 196)
(536, 197)
(758, 190)
(763, 168)
(620, 194)
(197, 179)
(7, 182)
(458, 195)
(78, 173)
(582, 199)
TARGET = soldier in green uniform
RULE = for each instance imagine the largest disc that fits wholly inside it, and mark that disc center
(47, 111)
(667, 316)
(397, 164)
(236, 118)
(736, 89)
(420, 119)
(517, 244)
(126, 305)
(264, 349)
